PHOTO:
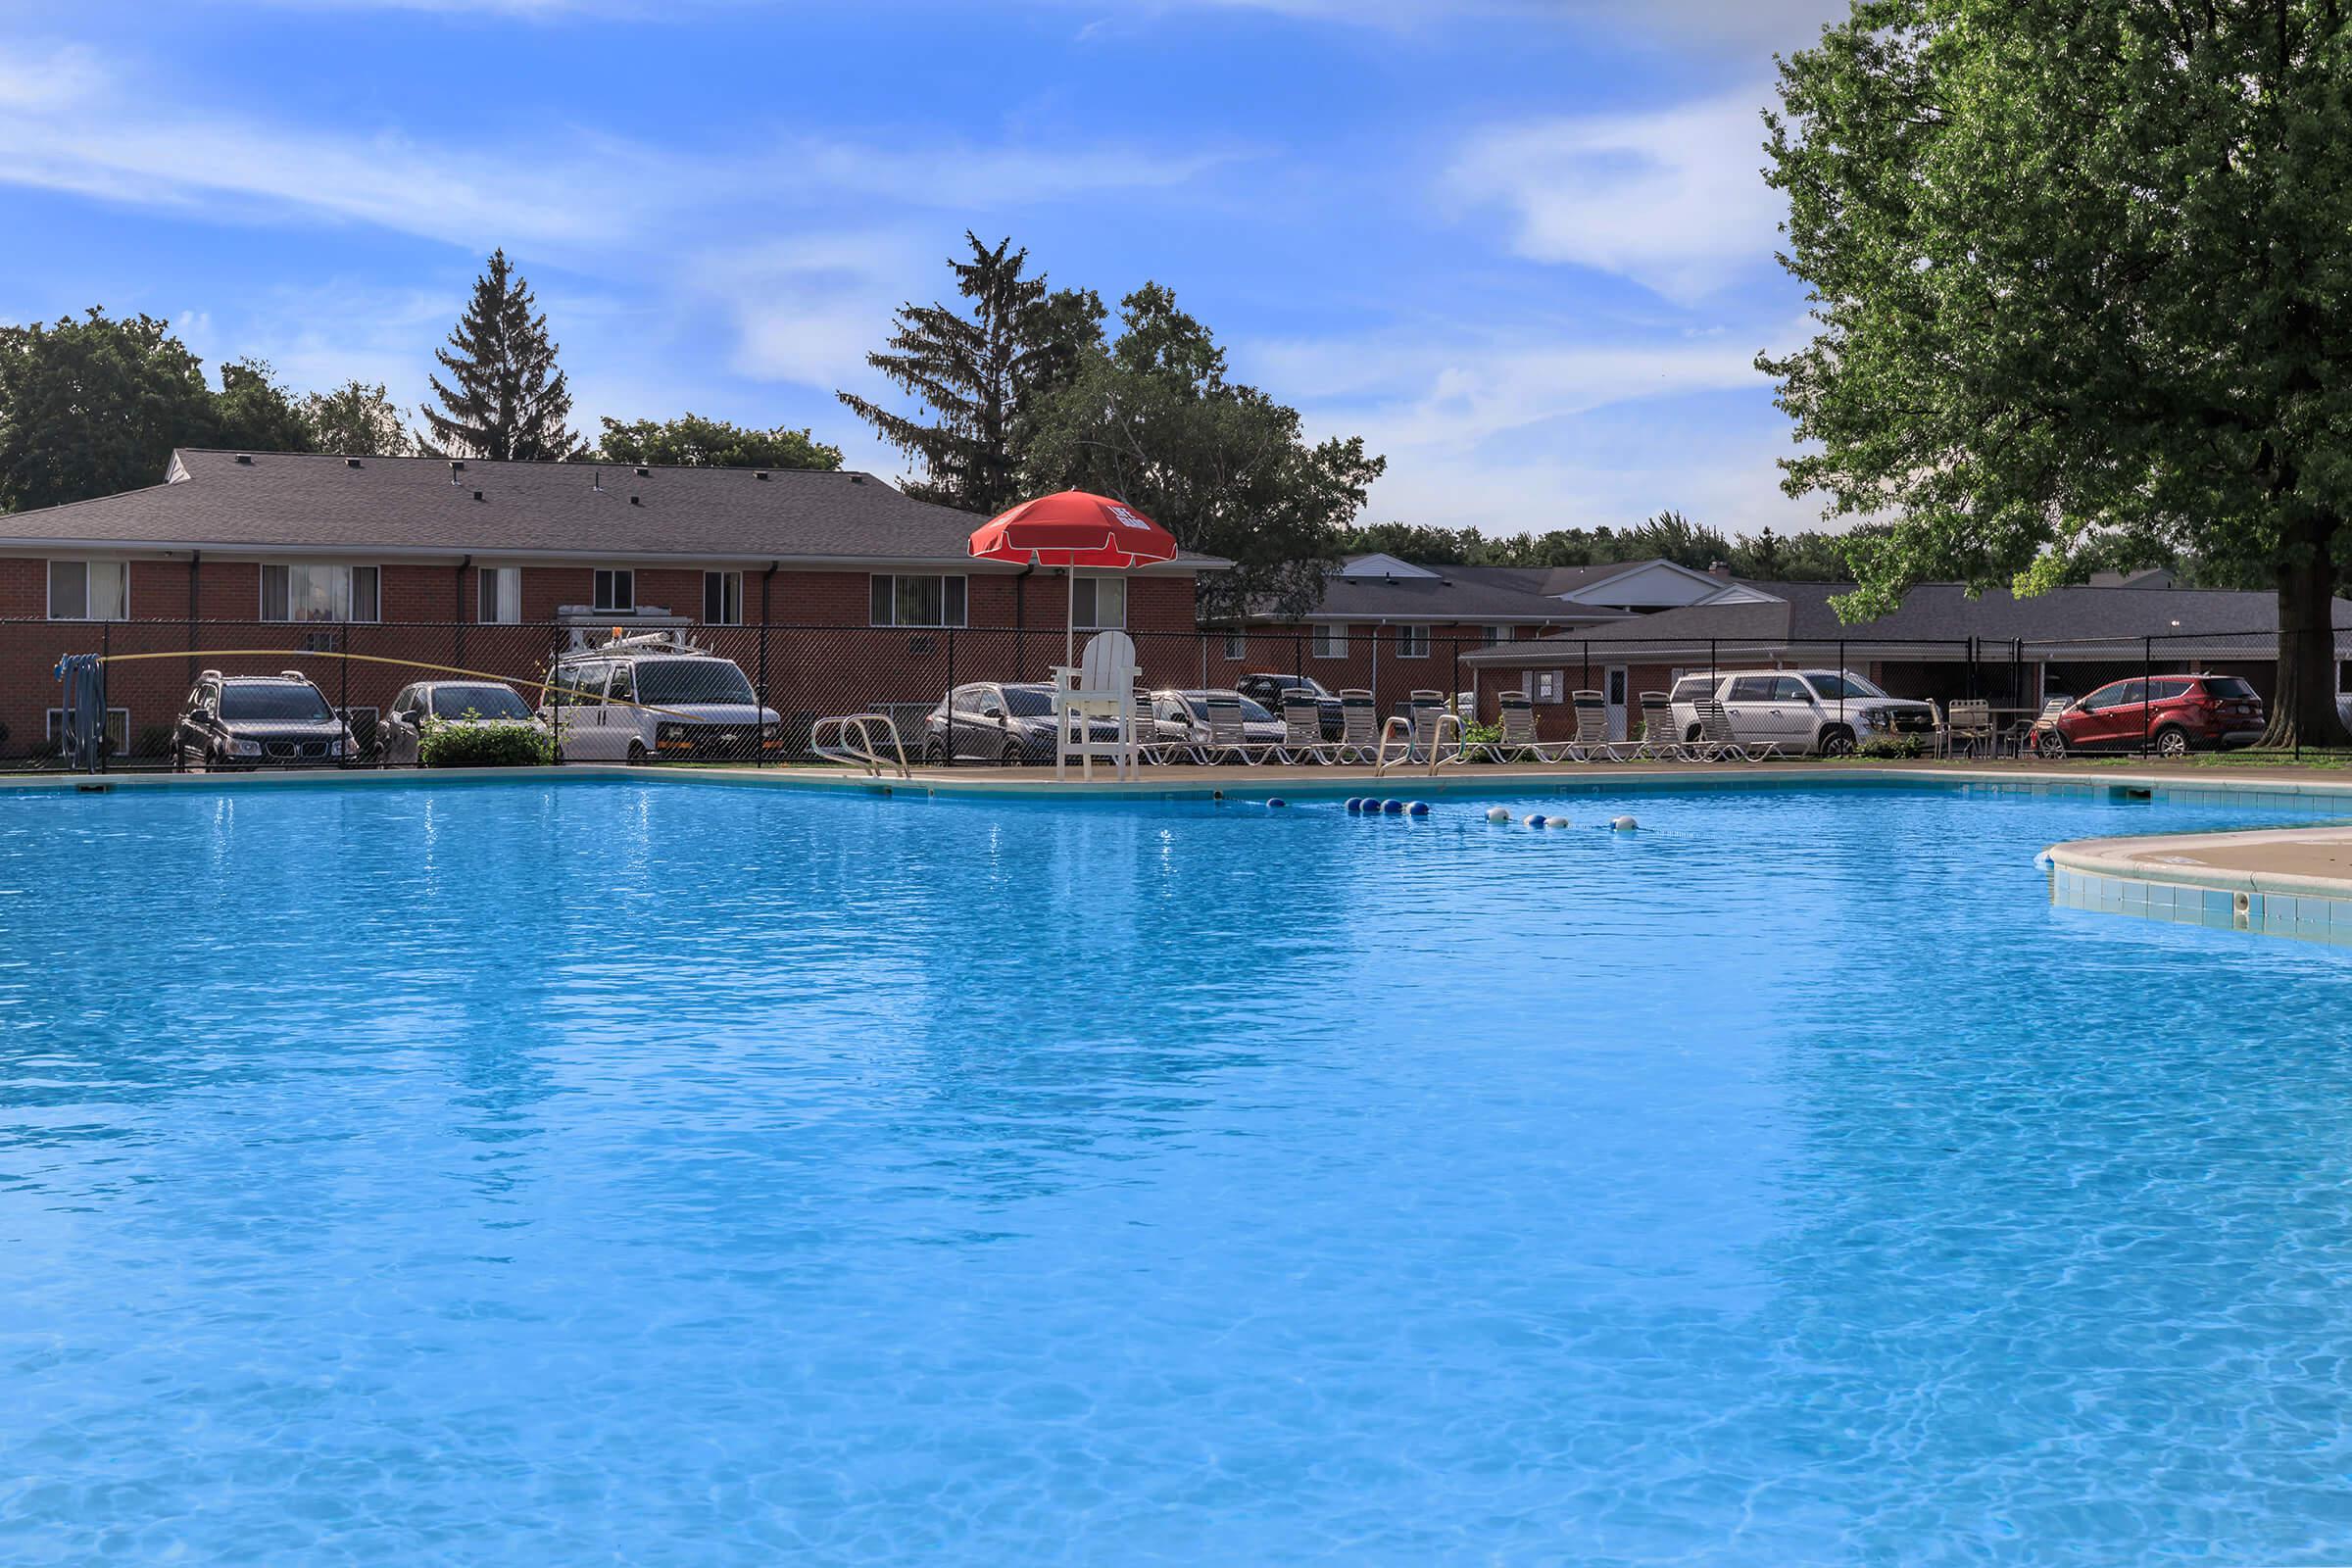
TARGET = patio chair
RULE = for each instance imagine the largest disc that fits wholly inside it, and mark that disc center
(1593, 729)
(1715, 735)
(2030, 734)
(1658, 736)
(1229, 734)
(1968, 723)
(1359, 727)
(1303, 731)
(1101, 688)
(1517, 720)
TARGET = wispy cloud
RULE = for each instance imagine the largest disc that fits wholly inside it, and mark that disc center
(1672, 199)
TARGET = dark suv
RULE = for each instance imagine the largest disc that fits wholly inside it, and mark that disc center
(2171, 715)
(1268, 692)
(258, 721)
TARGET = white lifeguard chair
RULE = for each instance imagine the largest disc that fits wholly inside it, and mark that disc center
(1100, 686)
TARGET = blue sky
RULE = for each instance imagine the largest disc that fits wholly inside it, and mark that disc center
(1521, 247)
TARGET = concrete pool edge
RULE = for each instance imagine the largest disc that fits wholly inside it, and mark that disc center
(2231, 880)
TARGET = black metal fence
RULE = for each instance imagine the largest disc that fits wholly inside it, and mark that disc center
(802, 674)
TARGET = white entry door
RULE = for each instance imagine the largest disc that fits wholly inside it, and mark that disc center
(1613, 687)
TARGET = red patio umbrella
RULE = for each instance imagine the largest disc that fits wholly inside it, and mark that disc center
(1074, 529)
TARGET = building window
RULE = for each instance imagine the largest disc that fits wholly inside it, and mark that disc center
(1412, 642)
(722, 597)
(616, 590)
(1492, 636)
(118, 730)
(320, 593)
(1331, 642)
(1545, 685)
(89, 590)
(1236, 644)
(919, 601)
(1100, 603)
(502, 595)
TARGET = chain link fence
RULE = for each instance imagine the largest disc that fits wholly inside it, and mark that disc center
(623, 704)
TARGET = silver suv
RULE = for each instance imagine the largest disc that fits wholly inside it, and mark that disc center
(1824, 710)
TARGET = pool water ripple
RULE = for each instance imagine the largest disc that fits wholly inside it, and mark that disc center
(515, 1174)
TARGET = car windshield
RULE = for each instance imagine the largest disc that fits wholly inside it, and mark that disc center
(487, 702)
(1255, 712)
(1832, 687)
(286, 699)
(2230, 689)
(1027, 702)
(663, 681)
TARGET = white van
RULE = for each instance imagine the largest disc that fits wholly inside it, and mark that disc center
(655, 696)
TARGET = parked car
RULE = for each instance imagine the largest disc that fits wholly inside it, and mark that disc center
(1827, 712)
(244, 721)
(2172, 714)
(1181, 717)
(447, 702)
(655, 696)
(1270, 691)
(1009, 723)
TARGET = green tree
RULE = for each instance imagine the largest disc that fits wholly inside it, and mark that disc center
(2081, 274)
(252, 412)
(1225, 468)
(504, 399)
(92, 406)
(358, 420)
(979, 379)
(691, 441)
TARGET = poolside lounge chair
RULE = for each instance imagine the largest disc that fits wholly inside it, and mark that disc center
(1359, 727)
(1659, 735)
(1518, 741)
(1144, 735)
(1228, 733)
(1593, 729)
(1715, 736)
(1303, 731)
(1100, 687)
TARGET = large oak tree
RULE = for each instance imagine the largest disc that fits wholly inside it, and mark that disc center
(2082, 277)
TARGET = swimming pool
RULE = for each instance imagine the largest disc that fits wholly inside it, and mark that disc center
(677, 1174)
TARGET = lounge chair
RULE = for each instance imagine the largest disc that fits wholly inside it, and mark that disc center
(1658, 737)
(1517, 722)
(1715, 735)
(1229, 734)
(1149, 746)
(1593, 729)
(1359, 727)
(1303, 731)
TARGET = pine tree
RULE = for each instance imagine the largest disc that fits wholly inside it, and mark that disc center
(977, 378)
(509, 402)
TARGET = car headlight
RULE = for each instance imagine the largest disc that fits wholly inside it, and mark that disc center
(335, 748)
(245, 747)
(1875, 719)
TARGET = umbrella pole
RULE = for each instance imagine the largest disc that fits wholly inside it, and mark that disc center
(1069, 618)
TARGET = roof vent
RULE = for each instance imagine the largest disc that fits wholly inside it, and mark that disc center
(351, 463)
(761, 474)
(477, 495)
(857, 478)
(636, 500)
(645, 474)
(457, 464)
(246, 458)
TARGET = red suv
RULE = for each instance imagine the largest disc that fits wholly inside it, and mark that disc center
(2172, 714)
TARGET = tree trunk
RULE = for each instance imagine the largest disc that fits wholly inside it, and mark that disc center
(2302, 710)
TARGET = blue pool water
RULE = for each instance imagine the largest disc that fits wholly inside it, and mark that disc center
(702, 1175)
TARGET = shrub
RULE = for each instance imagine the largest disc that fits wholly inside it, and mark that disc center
(1476, 736)
(1895, 748)
(499, 744)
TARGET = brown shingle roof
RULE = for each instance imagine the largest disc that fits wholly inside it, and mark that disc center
(282, 501)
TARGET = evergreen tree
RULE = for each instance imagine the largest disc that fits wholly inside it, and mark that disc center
(979, 379)
(508, 401)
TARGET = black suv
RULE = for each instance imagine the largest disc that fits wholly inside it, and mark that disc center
(1268, 691)
(258, 721)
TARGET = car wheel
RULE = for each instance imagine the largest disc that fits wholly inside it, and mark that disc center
(934, 755)
(1837, 741)
(1010, 757)
(2171, 741)
(636, 754)
(2052, 746)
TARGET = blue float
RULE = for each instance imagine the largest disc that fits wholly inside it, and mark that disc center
(1417, 808)
(1355, 802)
(1393, 807)
(1535, 820)
(1275, 803)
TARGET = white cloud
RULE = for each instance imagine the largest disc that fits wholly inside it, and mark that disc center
(809, 308)
(1672, 199)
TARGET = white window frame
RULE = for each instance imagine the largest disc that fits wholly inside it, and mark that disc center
(1412, 642)
(1547, 686)
(86, 563)
(1086, 599)
(1329, 640)
(492, 599)
(604, 596)
(1497, 636)
(958, 620)
(347, 590)
(117, 729)
(1236, 645)
(730, 585)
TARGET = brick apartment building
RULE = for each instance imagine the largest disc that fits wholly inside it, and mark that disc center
(833, 590)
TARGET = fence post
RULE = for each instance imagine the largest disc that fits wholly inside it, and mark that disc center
(1841, 686)
(1455, 695)
(105, 649)
(345, 662)
(2147, 675)
(946, 742)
